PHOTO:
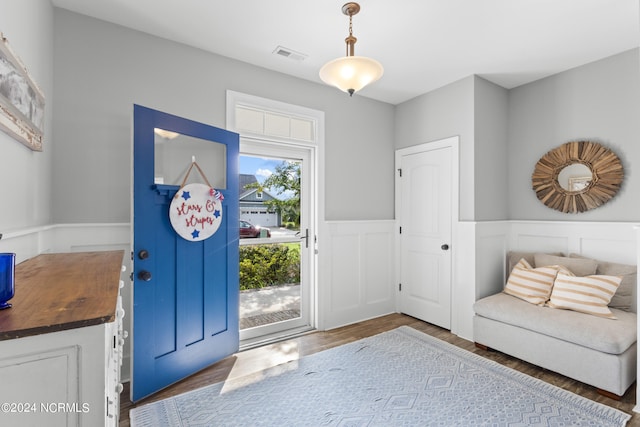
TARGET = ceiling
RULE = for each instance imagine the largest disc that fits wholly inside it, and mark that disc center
(422, 44)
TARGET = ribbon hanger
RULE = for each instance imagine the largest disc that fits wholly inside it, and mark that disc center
(184, 181)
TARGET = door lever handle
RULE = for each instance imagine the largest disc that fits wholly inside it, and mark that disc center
(306, 238)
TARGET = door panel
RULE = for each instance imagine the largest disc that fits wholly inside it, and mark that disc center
(425, 218)
(185, 293)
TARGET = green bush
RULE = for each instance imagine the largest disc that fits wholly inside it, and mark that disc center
(269, 265)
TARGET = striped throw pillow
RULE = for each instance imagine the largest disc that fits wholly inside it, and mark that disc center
(588, 294)
(532, 284)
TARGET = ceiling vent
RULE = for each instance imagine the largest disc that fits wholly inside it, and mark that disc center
(289, 53)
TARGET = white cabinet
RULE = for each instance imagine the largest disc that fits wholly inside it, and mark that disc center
(63, 372)
(66, 378)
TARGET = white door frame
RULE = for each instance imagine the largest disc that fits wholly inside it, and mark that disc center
(452, 143)
(315, 147)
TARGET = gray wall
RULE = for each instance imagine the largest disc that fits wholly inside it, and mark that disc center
(491, 115)
(503, 133)
(26, 175)
(598, 101)
(476, 110)
(102, 69)
(444, 112)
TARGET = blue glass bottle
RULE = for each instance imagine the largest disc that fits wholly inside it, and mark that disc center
(7, 275)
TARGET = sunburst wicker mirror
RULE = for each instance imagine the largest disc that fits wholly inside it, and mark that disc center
(581, 189)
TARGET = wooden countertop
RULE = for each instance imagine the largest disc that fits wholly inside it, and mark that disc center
(60, 291)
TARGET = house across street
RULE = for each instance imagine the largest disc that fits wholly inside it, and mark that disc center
(252, 204)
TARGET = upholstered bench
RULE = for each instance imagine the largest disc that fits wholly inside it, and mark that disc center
(595, 350)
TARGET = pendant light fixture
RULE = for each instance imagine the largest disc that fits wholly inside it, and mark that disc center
(351, 73)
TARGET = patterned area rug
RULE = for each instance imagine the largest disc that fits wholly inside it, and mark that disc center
(400, 377)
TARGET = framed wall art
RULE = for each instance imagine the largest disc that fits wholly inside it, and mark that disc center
(21, 100)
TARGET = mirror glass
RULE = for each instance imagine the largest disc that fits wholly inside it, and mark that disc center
(575, 177)
(174, 153)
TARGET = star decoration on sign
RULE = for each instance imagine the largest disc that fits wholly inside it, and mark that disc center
(216, 213)
(195, 234)
(186, 195)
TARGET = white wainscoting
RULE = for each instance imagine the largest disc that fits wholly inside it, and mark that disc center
(355, 280)
(356, 272)
(27, 243)
(478, 269)
(30, 242)
(608, 241)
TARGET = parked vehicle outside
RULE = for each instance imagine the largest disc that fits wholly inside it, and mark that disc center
(249, 230)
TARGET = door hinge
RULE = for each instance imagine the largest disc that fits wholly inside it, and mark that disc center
(400, 229)
(400, 172)
(400, 287)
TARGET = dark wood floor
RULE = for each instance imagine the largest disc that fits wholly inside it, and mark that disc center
(260, 358)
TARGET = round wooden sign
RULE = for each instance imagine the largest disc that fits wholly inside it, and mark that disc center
(196, 212)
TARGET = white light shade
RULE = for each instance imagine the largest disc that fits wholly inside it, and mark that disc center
(351, 73)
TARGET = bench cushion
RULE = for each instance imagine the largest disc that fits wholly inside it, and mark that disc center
(605, 335)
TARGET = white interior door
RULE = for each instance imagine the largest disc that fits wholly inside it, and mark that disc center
(424, 188)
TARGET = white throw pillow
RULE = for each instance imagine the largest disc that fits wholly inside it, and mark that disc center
(588, 294)
(532, 284)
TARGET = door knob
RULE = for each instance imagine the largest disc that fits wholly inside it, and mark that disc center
(144, 275)
(444, 247)
(143, 254)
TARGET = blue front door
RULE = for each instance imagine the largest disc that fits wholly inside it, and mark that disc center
(185, 293)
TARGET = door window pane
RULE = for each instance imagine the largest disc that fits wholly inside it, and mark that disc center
(270, 245)
(174, 153)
